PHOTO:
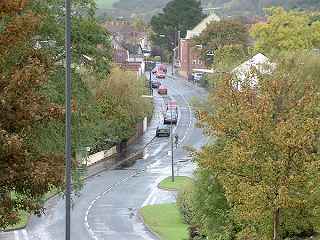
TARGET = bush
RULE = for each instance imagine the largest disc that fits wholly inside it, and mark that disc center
(185, 204)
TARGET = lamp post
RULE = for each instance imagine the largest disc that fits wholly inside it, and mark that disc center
(68, 118)
(171, 135)
(150, 83)
(173, 49)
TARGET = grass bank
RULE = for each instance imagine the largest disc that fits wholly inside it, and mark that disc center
(165, 221)
(179, 182)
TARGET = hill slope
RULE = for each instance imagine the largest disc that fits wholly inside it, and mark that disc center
(147, 8)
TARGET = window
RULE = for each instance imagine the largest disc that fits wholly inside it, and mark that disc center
(199, 61)
(194, 62)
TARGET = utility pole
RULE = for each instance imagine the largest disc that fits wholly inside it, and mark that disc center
(68, 117)
(173, 52)
(150, 83)
(171, 134)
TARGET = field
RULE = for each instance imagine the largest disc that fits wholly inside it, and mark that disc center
(105, 4)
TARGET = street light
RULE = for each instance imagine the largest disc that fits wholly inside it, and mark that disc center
(173, 50)
(171, 134)
(68, 118)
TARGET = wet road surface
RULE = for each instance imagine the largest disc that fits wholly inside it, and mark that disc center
(109, 202)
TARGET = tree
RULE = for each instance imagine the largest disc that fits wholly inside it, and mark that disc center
(26, 174)
(219, 34)
(230, 56)
(178, 15)
(266, 154)
(286, 31)
(32, 97)
(120, 101)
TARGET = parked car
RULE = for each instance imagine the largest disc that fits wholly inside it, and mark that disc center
(170, 117)
(162, 90)
(163, 131)
(197, 76)
(160, 74)
(154, 71)
(155, 84)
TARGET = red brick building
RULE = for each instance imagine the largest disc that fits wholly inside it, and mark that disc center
(189, 57)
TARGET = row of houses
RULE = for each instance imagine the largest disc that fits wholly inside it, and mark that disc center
(188, 55)
(129, 45)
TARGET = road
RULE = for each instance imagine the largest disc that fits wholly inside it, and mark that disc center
(108, 205)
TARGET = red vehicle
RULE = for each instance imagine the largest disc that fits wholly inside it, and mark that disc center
(162, 90)
(172, 105)
(162, 68)
(160, 74)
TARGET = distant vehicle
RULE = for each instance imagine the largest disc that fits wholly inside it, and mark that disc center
(172, 105)
(162, 68)
(197, 76)
(155, 84)
(160, 74)
(163, 131)
(170, 117)
(162, 90)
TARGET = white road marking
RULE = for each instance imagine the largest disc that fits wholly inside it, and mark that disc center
(152, 197)
(25, 234)
(16, 235)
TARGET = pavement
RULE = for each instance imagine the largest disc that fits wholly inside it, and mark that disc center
(108, 204)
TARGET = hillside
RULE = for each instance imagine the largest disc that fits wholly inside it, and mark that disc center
(147, 8)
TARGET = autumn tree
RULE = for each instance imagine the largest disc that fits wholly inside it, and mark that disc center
(32, 97)
(223, 35)
(121, 102)
(286, 31)
(266, 153)
(26, 174)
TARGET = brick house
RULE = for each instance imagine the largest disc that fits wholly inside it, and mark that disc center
(127, 46)
(189, 56)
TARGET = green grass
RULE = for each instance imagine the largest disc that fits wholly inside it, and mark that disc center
(24, 216)
(105, 4)
(178, 183)
(165, 220)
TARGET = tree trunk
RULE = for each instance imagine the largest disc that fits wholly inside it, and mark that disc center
(276, 224)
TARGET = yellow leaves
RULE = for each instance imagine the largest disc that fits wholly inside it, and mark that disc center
(284, 31)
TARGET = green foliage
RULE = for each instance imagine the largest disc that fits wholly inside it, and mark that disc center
(266, 155)
(221, 33)
(286, 31)
(185, 203)
(120, 102)
(230, 56)
(165, 220)
(230, 36)
(204, 207)
(178, 15)
(32, 93)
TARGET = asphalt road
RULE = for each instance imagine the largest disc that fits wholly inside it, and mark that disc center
(108, 205)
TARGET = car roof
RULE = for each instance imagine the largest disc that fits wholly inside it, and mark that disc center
(163, 126)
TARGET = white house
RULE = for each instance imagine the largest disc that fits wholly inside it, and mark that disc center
(247, 71)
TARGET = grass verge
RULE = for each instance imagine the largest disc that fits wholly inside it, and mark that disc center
(178, 183)
(165, 221)
(24, 216)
